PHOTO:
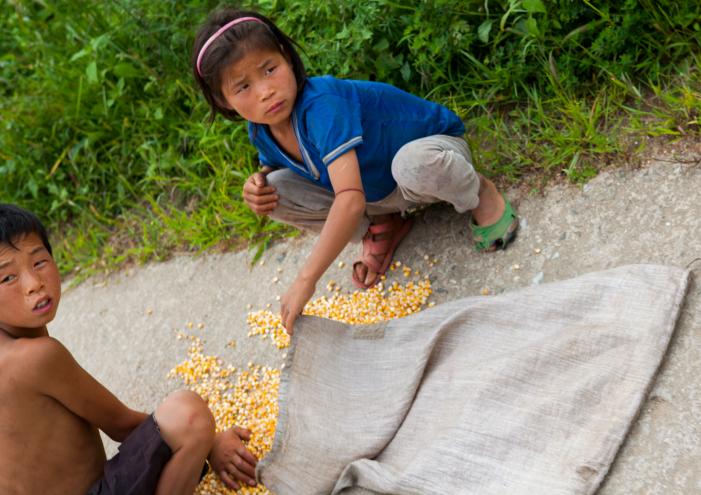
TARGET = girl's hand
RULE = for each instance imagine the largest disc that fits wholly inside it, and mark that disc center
(230, 459)
(258, 195)
(293, 301)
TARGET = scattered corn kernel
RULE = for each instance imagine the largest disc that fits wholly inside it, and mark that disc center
(200, 326)
(247, 399)
(341, 264)
(189, 324)
(266, 324)
(373, 305)
(149, 311)
(275, 280)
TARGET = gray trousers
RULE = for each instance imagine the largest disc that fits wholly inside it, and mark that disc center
(427, 170)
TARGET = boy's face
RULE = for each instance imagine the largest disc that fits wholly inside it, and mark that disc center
(30, 287)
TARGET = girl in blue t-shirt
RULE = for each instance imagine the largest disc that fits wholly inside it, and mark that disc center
(339, 157)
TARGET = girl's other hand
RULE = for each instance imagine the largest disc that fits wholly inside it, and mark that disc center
(258, 195)
(293, 301)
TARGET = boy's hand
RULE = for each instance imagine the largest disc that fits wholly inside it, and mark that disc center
(293, 301)
(231, 460)
(258, 195)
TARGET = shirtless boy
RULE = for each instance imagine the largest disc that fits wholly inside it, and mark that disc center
(51, 409)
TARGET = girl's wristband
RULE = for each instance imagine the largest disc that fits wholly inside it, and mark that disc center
(349, 189)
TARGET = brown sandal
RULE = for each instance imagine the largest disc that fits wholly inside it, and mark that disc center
(372, 248)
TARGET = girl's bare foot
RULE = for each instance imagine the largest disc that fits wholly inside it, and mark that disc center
(364, 272)
(491, 204)
(494, 222)
(384, 235)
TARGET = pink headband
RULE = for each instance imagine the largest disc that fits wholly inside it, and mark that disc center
(219, 33)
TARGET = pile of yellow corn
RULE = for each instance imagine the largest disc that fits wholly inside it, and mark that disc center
(249, 398)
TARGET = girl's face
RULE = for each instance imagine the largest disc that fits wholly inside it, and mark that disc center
(261, 87)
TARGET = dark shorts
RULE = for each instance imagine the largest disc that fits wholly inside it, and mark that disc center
(136, 468)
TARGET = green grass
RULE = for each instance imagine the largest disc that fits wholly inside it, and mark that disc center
(106, 138)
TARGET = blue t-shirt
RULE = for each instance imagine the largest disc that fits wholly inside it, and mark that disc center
(332, 116)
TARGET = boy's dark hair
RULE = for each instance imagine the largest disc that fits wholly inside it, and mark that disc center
(16, 223)
(231, 46)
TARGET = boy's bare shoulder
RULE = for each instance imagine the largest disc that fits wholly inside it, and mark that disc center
(32, 359)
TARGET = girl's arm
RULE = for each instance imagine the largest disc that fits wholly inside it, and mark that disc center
(344, 216)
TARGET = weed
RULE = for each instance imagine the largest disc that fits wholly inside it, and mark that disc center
(105, 136)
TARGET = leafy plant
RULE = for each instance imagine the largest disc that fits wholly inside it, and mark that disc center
(104, 135)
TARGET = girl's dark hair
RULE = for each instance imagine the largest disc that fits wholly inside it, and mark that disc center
(231, 46)
(16, 223)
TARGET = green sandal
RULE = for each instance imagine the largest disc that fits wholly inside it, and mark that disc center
(499, 234)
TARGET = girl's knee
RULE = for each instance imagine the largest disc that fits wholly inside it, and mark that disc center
(415, 163)
(275, 177)
(184, 418)
(283, 180)
(435, 160)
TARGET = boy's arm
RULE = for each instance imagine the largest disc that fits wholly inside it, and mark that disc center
(344, 216)
(51, 370)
